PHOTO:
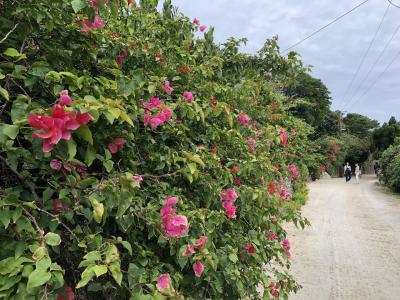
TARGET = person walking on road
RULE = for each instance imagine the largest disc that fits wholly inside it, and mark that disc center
(358, 173)
(347, 172)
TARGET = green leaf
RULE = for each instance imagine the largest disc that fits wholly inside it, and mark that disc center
(233, 257)
(78, 5)
(124, 117)
(38, 278)
(124, 201)
(84, 133)
(4, 93)
(87, 275)
(52, 239)
(93, 256)
(12, 52)
(98, 209)
(90, 155)
(71, 149)
(127, 246)
(10, 130)
(115, 269)
(99, 270)
(5, 217)
(19, 108)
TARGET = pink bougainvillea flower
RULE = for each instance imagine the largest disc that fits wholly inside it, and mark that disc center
(202, 28)
(286, 244)
(137, 178)
(168, 88)
(230, 209)
(275, 293)
(283, 135)
(188, 250)
(172, 224)
(117, 145)
(235, 169)
(228, 195)
(130, 2)
(154, 102)
(214, 150)
(251, 145)
(196, 21)
(64, 99)
(56, 164)
(84, 118)
(68, 166)
(271, 188)
(55, 127)
(163, 282)
(272, 235)
(201, 242)
(274, 218)
(120, 58)
(198, 268)
(188, 96)
(112, 148)
(95, 4)
(87, 26)
(243, 119)
(294, 171)
(81, 169)
(237, 181)
(283, 194)
(250, 248)
(165, 115)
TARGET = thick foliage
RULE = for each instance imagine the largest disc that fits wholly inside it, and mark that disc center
(134, 153)
(390, 165)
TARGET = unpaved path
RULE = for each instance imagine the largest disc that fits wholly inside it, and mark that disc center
(352, 249)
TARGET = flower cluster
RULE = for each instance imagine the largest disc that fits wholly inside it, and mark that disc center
(272, 235)
(251, 145)
(228, 196)
(197, 22)
(59, 124)
(173, 225)
(274, 290)
(250, 248)
(283, 135)
(271, 188)
(284, 194)
(294, 171)
(117, 145)
(87, 26)
(57, 165)
(286, 246)
(188, 96)
(162, 116)
(122, 55)
(167, 88)
(243, 119)
(164, 282)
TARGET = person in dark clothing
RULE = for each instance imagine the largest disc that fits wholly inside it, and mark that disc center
(376, 168)
(347, 172)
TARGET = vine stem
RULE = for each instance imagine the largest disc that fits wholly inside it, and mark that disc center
(8, 33)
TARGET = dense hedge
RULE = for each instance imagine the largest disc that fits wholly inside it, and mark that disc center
(139, 159)
(390, 165)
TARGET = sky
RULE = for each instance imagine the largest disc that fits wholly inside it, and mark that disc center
(335, 53)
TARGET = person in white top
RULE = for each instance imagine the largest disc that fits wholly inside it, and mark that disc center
(358, 173)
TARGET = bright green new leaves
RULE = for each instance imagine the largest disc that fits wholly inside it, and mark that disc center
(52, 239)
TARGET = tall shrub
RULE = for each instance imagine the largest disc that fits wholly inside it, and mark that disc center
(136, 163)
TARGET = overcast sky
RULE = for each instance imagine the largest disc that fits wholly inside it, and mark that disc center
(335, 53)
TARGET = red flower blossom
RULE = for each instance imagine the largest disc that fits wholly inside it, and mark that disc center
(214, 150)
(201, 242)
(70, 294)
(235, 169)
(271, 188)
(56, 164)
(250, 248)
(198, 268)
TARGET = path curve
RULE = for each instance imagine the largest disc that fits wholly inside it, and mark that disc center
(352, 249)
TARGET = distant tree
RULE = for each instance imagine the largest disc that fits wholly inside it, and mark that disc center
(359, 125)
(330, 125)
(384, 136)
(316, 104)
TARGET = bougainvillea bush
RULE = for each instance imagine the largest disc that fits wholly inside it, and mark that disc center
(141, 160)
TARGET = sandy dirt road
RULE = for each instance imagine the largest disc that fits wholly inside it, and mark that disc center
(352, 249)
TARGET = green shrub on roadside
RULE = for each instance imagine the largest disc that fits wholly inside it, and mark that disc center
(140, 160)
